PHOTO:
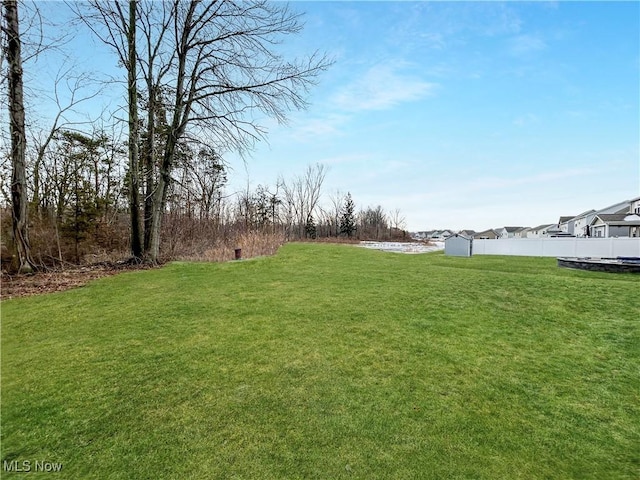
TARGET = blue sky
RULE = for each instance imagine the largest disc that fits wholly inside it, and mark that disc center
(469, 115)
(462, 114)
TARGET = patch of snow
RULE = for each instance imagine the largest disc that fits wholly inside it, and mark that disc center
(403, 247)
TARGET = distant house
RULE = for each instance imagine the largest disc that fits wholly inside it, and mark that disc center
(567, 224)
(437, 235)
(581, 223)
(508, 232)
(522, 232)
(611, 221)
(487, 234)
(606, 225)
(540, 231)
(617, 208)
(555, 231)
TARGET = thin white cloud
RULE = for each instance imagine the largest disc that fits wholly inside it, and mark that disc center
(354, 158)
(525, 44)
(525, 120)
(312, 128)
(493, 183)
(434, 40)
(382, 87)
(448, 20)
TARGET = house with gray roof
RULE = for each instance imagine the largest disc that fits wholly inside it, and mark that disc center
(490, 234)
(567, 224)
(606, 225)
(582, 223)
(508, 232)
(540, 231)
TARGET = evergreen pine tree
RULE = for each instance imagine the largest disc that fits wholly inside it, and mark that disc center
(348, 218)
(310, 228)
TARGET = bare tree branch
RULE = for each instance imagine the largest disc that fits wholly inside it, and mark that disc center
(207, 66)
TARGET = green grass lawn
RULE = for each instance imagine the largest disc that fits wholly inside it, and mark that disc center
(328, 362)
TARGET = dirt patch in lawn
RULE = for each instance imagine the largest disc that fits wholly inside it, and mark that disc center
(24, 285)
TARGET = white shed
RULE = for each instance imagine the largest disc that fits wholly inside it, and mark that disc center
(458, 245)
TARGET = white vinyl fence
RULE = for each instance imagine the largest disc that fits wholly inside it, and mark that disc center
(559, 247)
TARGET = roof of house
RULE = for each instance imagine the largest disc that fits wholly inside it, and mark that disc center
(512, 229)
(565, 219)
(542, 227)
(584, 214)
(620, 207)
(611, 216)
(490, 230)
(618, 219)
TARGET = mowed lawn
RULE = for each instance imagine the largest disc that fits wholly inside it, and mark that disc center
(328, 362)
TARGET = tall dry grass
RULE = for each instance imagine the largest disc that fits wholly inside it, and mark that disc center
(183, 238)
(251, 244)
(189, 239)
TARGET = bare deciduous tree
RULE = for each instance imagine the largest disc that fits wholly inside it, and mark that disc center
(337, 200)
(216, 66)
(398, 221)
(373, 223)
(302, 195)
(19, 199)
(68, 93)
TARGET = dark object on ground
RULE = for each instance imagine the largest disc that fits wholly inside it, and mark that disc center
(613, 265)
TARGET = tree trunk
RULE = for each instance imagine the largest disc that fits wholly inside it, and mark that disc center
(180, 112)
(148, 160)
(134, 185)
(35, 201)
(19, 211)
(160, 201)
